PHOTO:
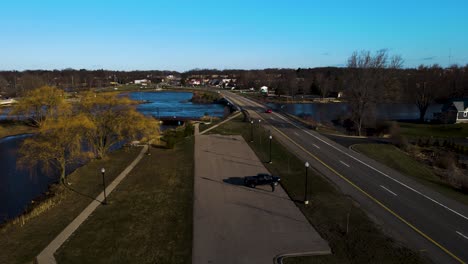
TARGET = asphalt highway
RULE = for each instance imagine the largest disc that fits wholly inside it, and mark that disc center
(408, 211)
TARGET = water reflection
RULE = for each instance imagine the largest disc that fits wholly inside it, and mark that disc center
(168, 104)
(18, 186)
(325, 113)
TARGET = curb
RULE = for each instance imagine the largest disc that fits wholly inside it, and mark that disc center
(278, 259)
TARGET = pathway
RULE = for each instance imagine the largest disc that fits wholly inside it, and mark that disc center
(47, 255)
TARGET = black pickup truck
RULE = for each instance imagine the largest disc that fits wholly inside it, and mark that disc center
(261, 179)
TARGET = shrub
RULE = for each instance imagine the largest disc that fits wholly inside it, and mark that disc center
(170, 142)
(419, 142)
(189, 129)
(397, 138)
(446, 161)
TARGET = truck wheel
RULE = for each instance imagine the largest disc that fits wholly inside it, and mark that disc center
(252, 185)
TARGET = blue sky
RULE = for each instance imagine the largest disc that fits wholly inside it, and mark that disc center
(182, 35)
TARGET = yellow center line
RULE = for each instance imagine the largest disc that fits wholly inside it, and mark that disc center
(365, 193)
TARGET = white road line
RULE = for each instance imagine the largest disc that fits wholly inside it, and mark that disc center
(384, 174)
(344, 164)
(388, 190)
(462, 235)
(369, 166)
(272, 118)
(295, 133)
(316, 146)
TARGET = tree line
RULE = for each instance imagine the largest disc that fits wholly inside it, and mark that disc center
(442, 83)
(73, 131)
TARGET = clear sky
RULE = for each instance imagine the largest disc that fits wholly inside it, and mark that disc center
(182, 35)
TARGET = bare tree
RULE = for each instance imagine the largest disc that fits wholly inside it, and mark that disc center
(424, 90)
(366, 80)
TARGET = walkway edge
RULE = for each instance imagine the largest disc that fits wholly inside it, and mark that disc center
(279, 258)
(47, 254)
(215, 126)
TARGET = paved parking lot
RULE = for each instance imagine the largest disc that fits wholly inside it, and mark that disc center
(237, 224)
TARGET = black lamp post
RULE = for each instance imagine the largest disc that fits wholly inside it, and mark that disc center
(251, 131)
(103, 171)
(305, 192)
(271, 137)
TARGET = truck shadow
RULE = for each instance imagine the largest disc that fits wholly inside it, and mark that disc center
(235, 181)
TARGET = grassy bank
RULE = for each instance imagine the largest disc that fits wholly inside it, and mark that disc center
(12, 128)
(149, 218)
(434, 130)
(400, 161)
(23, 239)
(361, 242)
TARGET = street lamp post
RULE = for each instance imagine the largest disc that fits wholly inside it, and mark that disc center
(305, 192)
(271, 137)
(251, 131)
(103, 171)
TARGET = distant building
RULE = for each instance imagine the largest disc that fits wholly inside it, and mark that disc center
(462, 111)
(456, 111)
(142, 81)
(264, 89)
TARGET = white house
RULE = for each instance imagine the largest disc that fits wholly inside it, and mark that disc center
(462, 112)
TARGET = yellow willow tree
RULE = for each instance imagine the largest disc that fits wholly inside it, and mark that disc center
(58, 144)
(115, 120)
(41, 103)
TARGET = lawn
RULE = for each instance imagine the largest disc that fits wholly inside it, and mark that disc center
(434, 130)
(148, 219)
(328, 211)
(21, 242)
(400, 161)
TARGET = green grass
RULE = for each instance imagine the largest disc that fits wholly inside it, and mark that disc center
(149, 218)
(434, 130)
(328, 210)
(402, 162)
(20, 243)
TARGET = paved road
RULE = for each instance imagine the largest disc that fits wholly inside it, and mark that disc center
(237, 224)
(414, 214)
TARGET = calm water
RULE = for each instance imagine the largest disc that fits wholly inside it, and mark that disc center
(169, 104)
(18, 187)
(333, 111)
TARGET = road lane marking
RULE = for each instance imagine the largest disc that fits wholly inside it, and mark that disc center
(388, 190)
(316, 146)
(272, 118)
(462, 235)
(295, 133)
(368, 195)
(384, 174)
(373, 199)
(344, 164)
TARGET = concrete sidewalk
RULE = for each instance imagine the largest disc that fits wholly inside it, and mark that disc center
(47, 255)
(237, 224)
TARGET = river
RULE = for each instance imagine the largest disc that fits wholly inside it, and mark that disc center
(327, 112)
(18, 187)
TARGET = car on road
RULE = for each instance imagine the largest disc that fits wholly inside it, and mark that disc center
(268, 111)
(261, 179)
